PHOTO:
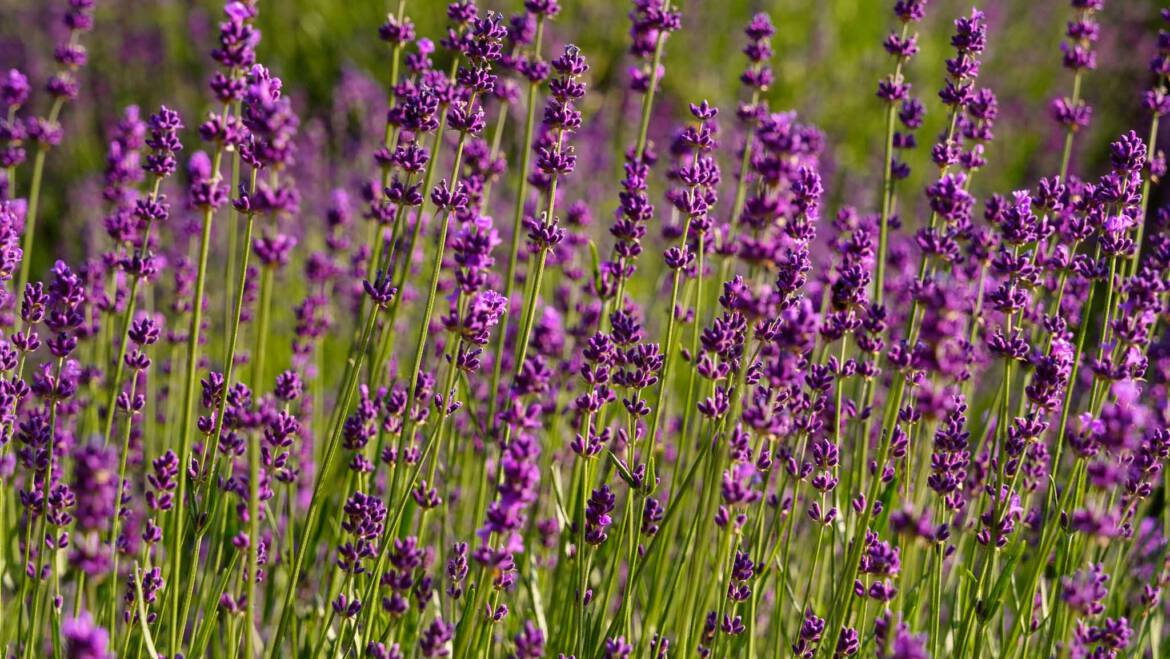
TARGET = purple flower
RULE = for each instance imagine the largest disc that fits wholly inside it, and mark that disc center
(529, 640)
(164, 140)
(1085, 591)
(14, 89)
(434, 641)
(237, 37)
(482, 315)
(617, 648)
(364, 519)
(95, 475)
(597, 519)
(84, 639)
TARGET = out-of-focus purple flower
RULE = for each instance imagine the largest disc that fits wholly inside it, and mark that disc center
(85, 639)
(435, 640)
(1085, 591)
(529, 640)
(14, 89)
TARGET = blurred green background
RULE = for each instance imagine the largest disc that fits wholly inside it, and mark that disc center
(828, 59)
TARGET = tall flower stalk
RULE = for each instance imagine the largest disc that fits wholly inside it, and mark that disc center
(902, 46)
(164, 142)
(236, 52)
(535, 71)
(46, 133)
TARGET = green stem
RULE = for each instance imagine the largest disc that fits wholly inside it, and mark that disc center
(233, 242)
(317, 500)
(887, 186)
(432, 292)
(34, 202)
(529, 315)
(1151, 144)
(117, 519)
(35, 628)
(668, 348)
(1066, 152)
(175, 633)
(126, 320)
(643, 132)
(211, 448)
(140, 601)
(517, 226)
(253, 535)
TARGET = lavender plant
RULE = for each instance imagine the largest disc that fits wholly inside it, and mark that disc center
(751, 416)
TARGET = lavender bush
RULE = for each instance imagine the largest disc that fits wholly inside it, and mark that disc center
(464, 397)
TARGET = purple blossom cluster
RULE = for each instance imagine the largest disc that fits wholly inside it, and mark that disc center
(751, 414)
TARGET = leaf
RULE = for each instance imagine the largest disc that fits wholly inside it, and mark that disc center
(560, 507)
(965, 571)
(150, 650)
(595, 259)
(534, 595)
(992, 601)
(623, 470)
